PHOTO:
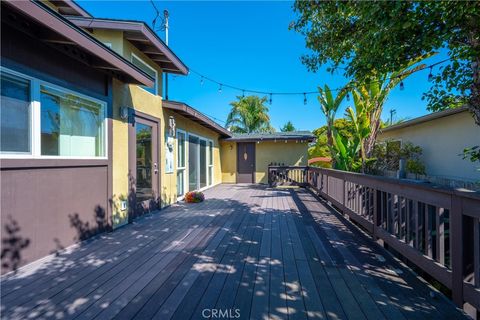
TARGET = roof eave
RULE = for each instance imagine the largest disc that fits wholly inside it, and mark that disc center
(55, 22)
(146, 31)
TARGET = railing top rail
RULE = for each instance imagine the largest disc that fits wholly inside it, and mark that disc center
(401, 182)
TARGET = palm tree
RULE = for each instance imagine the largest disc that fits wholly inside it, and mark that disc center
(249, 114)
(288, 127)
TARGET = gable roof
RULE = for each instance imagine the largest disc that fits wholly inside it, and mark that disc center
(195, 115)
(426, 118)
(282, 136)
(53, 29)
(142, 37)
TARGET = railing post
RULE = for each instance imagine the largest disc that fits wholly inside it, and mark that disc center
(456, 237)
(375, 213)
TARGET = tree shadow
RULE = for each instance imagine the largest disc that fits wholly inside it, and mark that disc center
(12, 246)
(84, 229)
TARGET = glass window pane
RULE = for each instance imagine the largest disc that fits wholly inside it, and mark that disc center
(210, 175)
(148, 70)
(203, 163)
(15, 114)
(144, 162)
(180, 182)
(210, 152)
(192, 163)
(180, 150)
(70, 125)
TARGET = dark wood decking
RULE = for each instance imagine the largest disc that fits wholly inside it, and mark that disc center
(270, 253)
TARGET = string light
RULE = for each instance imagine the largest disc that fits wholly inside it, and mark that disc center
(430, 75)
(270, 101)
(201, 81)
(305, 93)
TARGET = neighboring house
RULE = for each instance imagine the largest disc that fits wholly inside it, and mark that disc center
(245, 157)
(442, 136)
(87, 141)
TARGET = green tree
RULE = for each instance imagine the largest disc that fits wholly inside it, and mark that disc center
(360, 37)
(288, 127)
(330, 105)
(249, 114)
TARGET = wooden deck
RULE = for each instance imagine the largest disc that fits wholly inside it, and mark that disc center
(270, 253)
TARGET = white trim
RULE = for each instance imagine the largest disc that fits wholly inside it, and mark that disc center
(155, 86)
(35, 127)
(184, 168)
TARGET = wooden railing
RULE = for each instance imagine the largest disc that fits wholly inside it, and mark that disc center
(437, 229)
(285, 175)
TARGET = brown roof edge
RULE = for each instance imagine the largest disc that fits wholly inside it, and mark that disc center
(425, 118)
(139, 26)
(195, 115)
(60, 25)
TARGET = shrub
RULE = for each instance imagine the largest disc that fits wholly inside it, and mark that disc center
(194, 197)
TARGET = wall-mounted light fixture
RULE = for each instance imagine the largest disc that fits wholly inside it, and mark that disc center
(123, 113)
(231, 146)
(171, 126)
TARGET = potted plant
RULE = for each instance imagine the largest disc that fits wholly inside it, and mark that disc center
(194, 197)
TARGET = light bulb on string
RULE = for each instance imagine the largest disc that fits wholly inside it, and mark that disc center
(304, 98)
(201, 81)
(430, 75)
(402, 86)
(220, 88)
(243, 93)
(348, 96)
(270, 101)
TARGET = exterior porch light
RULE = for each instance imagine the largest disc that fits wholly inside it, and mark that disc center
(123, 113)
(285, 141)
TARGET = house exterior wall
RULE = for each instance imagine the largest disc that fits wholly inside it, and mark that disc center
(291, 153)
(442, 140)
(228, 153)
(135, 97)
(54, 202)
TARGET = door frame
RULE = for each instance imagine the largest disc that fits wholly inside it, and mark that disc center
(136, 209)
(254, 160)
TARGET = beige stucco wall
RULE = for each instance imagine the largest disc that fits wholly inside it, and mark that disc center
(442, 140)
(291, 153)
(133, 96)
(228, 154)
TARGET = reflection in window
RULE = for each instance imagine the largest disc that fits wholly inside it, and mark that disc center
(148, 70)
(180, 163)
(71, 125)
(144, 162)
(15, 114)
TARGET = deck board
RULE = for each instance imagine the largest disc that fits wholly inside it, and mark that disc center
(268, 253)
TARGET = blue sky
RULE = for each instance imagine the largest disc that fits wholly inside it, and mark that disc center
(248, 45)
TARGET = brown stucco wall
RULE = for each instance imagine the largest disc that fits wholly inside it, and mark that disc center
(442, 140)
(51, 203)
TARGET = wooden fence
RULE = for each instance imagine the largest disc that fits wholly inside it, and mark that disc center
(437, 229)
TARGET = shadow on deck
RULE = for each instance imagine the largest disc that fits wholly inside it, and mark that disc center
(247, 252)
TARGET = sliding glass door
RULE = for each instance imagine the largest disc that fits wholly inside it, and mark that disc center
(193, 163)
(200, 165)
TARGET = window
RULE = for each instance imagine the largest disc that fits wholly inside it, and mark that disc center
(148, 70)
(70, 125)
(210, 163)
(15, 115)
(42, 120)
(181, 163)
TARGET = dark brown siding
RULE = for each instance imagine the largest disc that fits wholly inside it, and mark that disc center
(50, 204)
